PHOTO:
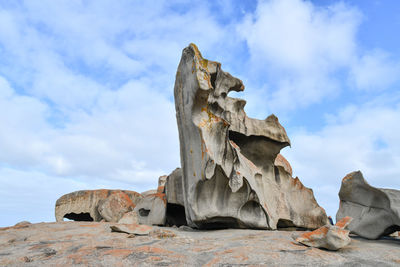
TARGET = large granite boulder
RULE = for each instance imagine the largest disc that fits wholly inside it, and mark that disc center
(376, 211)
(227, 158)
(83, 205)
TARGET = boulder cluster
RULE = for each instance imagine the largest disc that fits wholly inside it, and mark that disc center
(232, 174)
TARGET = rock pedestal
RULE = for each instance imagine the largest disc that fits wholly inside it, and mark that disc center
(229, 178)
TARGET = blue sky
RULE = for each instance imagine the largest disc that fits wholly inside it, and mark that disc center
(86, 90)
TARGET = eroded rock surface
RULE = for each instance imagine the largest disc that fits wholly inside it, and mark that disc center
(93, 244)
(376, 211)
(227, 158)
(83, 205)
(331, 237)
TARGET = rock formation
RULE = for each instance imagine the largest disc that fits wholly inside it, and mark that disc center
(130, 217)
(115, 206)
(151, 210)
(227, 158)
(331, 237)
(376, 211)
(84, 205)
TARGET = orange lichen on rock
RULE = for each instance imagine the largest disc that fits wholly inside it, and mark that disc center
(344, 222)
(328, 236)
(282, 161)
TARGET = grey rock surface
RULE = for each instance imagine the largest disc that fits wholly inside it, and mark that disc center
(83, 205)
(331, 237)
(376, 211)
(93, 244)
(227, 158)
(174, 188)
(151, 210)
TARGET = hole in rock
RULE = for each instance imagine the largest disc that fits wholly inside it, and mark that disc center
(258, 149)
(144, 212)
(282, 223)
(391, 229)
(84, 216)
(213, 78)
(176, 215)
(219, 223)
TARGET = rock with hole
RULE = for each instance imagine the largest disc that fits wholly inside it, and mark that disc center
(151, 210)
(83, 205)
(229, 175)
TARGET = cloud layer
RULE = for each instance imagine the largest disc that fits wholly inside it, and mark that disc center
(86, 92)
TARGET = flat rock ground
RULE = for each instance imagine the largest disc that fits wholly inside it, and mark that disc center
(93, 244)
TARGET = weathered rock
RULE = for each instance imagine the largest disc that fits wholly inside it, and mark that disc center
(93, 244)
(174, 188)
(149, 192)
(83, 205)
(281, 161)
(328, 236)
(115, 206)
(376, 211)
(227, 158)
(130, 217)
(135, 229)
(162, 180)
(22, 224)
(151, 210)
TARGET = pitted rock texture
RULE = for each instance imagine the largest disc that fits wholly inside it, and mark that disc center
(83, 205)
(331, 237)
(93, 244)
(376, 211)
(227, 158)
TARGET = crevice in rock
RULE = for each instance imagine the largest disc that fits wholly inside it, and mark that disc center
(258, 149)
(283, 223)
(175, 215)
(84, 216)
(219, 223)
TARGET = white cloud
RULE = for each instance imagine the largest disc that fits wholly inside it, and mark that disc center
(300, 46)
(375, 71)
(91, 95)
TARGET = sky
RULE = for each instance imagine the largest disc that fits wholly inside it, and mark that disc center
(86, 90)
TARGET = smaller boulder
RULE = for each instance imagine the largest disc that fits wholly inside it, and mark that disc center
(115, 206)
(151, 210)
(130, 217)
(328, 236)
